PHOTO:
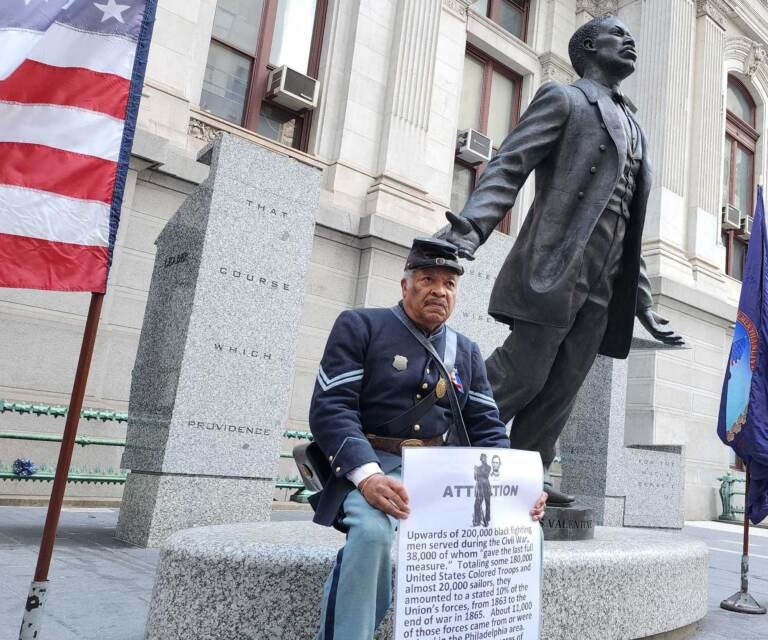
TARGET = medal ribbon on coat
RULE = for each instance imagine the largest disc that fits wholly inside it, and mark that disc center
(456, 380)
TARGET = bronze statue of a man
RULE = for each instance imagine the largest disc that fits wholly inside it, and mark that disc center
(575, 278)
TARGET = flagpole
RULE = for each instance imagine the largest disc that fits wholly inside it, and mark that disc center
(30, 624)
(742, 601)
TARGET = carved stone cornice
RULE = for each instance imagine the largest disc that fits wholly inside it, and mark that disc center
(553, 67)
(202, 130)
(754, 60)
(751, 54)
(715, 9)
(458, 8)
(597, 7)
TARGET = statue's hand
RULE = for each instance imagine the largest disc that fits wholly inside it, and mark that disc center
(653, 322)
(461, 233)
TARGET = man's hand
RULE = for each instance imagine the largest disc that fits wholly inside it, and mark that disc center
(461, 233)
(386, 494)
(653, 322)
(537, 513)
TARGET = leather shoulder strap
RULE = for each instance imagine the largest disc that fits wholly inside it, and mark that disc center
(460, 431)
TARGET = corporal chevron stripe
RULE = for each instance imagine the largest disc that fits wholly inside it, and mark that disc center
(71, 73)
(329, 383)
(482, 399)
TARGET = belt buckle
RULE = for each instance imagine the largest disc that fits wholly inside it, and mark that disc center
(411, 442)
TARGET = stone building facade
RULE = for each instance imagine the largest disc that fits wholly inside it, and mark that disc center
(398, 79)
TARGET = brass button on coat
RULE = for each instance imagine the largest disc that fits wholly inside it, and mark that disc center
(593, 169)
(330, 458)
(603, 147)
(418, 396)
(417, 427)
(338, 469)
(424, 386)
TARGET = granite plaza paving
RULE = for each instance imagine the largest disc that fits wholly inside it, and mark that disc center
(101, 587)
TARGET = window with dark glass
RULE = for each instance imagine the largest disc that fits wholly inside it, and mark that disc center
(510, 15)
(490, 104)
(738, 172)
(249, 39)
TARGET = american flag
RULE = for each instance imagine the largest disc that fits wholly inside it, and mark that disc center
(71, 73)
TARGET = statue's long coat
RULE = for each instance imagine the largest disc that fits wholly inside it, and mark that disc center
(573, 137)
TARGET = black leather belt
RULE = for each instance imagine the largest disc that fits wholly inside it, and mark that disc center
(395, 445)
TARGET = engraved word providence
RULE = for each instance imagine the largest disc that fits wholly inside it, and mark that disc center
(224, 428)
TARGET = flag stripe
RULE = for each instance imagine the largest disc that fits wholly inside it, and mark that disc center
(38, 214)
(37, 83)
(71, 73)
(31, 263)
(16, 47)
(68, 128)
(65, 47)
(48, 169)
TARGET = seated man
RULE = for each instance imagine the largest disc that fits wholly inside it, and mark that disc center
(378, 389)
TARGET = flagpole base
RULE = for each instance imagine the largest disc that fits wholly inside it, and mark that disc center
(33, 611)
(742, 602)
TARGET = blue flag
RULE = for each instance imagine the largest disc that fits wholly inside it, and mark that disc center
(743, 419)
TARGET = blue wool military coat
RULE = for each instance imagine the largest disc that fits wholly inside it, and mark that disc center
(374, 370)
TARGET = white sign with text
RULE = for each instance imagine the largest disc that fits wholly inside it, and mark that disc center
(469, 555)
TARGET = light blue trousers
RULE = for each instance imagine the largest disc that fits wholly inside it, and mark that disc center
(358, 591)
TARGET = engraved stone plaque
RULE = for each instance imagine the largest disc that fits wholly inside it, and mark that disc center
(211, 383)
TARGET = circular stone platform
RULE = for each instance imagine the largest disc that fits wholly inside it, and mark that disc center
(263, 581)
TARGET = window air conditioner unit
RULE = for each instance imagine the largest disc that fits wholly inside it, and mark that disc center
(292, 89)
(473, 147)
(731, 217)
(746, 227)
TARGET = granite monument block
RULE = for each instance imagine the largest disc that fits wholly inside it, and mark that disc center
(210, 386)
(470, 316)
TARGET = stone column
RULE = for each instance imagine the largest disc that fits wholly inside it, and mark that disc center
(703, 224)
(211, 382)
(414, 165)
(555, 23)
(661, 87)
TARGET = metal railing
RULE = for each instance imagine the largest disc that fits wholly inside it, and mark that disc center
(731, 512)
(77, 475)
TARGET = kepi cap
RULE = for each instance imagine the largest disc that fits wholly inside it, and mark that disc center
(433, 252)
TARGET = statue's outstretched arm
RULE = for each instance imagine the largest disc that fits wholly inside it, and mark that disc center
(530, 142)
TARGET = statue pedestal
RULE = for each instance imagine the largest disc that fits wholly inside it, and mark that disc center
(629, 486)
(625, 583)
(568, 523)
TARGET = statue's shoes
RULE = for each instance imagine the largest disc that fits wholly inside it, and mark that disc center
(558, 498)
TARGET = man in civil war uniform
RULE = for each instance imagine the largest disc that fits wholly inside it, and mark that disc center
(378, 390)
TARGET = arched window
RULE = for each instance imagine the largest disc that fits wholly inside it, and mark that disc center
(738, 175)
